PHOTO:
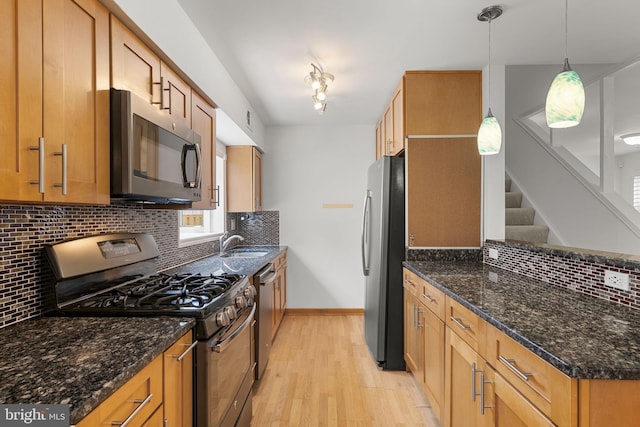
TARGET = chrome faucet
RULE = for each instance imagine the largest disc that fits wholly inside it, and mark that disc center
(224, 244)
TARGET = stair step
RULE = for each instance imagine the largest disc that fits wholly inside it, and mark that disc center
(527, 233)
(519, 216)
(513, 199)
(507, 185)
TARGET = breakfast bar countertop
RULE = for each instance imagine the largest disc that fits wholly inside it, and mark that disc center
(582, 336)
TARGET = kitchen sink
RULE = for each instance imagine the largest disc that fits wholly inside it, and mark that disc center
(244, 254)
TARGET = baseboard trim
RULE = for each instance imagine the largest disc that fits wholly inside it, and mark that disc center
(324, 311)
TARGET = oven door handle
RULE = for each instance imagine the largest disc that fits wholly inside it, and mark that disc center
(220, 346)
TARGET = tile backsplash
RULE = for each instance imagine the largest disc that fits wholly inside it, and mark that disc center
(578, 270)
(24, 229)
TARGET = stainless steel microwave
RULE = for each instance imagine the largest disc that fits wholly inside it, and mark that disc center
(153, 159)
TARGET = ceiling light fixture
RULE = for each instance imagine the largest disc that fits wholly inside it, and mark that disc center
(565, 99)
(631, 138)
(319, 82)
(490, 133)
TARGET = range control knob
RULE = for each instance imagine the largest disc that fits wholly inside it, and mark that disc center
(250, 293)
(222, 318)
(230, 311)
(241, 302)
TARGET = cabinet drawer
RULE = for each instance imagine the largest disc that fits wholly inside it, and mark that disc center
(466, 324)
(411, 282)
(433, 298)
(546, 387)
(141, 395)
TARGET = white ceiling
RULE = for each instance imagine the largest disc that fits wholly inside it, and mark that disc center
(268, 45)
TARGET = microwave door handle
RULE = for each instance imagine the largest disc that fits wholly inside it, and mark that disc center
(185, 180)
(198, 165)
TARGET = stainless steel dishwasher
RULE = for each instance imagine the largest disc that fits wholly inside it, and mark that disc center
(264, 281)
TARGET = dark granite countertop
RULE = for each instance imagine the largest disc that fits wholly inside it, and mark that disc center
(79, 361)
(582, 336)
(216, 264)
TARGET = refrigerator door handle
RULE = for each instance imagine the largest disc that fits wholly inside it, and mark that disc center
(366, 217)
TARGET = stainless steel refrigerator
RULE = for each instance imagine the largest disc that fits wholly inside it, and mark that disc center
(383, 251)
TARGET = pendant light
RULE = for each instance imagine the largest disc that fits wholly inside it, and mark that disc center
(490, 133)
(565, 99)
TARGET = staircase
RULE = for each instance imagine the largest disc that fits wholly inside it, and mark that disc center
(519, 221)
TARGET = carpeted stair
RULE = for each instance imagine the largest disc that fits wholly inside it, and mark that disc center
(519, 221)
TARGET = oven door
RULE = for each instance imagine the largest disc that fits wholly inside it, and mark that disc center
(225, 374)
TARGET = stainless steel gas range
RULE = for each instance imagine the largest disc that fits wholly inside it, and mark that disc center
(114, 275)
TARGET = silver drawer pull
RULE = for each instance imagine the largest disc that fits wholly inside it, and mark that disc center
(458, 322)
(126, 422)
(511, 365)
(184, 353)
(428, 298)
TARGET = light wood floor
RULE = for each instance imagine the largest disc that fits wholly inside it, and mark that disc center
(320, 373)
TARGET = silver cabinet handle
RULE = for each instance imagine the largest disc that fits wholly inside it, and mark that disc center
(63, 184)
(179, 357)
(482, 383)
(126, 422)
(40, 149)
(217, 198)
(428, 298)
(162, 90)
(474, 371)
(389, 142)
(458, 322)
(511, 365)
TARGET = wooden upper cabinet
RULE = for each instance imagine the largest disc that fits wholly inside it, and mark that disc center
(244, 179)
(177, 96)
(442, 102)
(443, 192)
(57, 146)
(398, 132)
(203, 122)
(135, 67)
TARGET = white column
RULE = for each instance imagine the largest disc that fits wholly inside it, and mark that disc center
(607, 154)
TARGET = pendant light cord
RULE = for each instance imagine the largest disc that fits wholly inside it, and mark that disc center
(566, 30)
(489, 72)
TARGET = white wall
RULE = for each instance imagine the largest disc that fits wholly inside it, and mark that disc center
(493, 166)
(167, 24)
(628, 167)
(568, 207)
(305, 167)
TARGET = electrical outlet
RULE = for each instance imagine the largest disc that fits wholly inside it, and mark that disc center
(616, 280)
(493, 253)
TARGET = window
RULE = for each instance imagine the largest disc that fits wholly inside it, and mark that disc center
(636, 192)
(197, 226)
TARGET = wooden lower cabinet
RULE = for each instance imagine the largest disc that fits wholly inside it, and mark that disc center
(413, 337)
(279, 292)
(462, 384)
(157, 419)
(178, 383)
(434, 361)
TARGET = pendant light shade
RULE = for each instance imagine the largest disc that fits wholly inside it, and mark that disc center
(489, 136)
(565, 99)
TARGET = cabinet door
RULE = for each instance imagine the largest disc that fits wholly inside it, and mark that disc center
(443, 192)
(257, 179)
(434, 366)
(509, 408)
(203, 122)
(178, 383)
(177, 96)
(461, 383)
(156, 420)
(397, 106)
(134, 66)
(379, 144)
(20, 98)
(388, 130)
(76, 101)
(443, 102)
(414, 341)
